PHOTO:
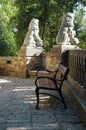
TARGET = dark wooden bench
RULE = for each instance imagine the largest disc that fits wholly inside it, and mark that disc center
(53, 82)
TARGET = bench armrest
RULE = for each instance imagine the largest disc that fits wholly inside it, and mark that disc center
(46, 72)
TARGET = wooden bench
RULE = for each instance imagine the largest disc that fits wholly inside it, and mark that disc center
(53, 82)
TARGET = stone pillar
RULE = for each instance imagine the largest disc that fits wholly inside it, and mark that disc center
(52, 58)
(33, 57)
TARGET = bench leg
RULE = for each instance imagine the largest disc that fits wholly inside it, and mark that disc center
(37, 95)
(63, 101)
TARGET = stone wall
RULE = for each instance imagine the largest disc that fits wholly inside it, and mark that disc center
(21, 65)
(13, 66)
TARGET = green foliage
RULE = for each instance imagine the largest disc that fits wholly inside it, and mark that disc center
(15, 16)
(80, 23)
(49, 13)
(7, 24)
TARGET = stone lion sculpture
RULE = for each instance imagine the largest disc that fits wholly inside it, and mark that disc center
(66, 34)
(32, 38)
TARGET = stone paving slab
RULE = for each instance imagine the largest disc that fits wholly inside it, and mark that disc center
(18, 126)
(17, 108)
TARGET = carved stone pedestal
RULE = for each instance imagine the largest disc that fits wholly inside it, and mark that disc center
(68, 47)
(52, 58)
(32, 55)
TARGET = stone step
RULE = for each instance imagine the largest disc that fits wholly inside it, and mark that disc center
(78, 98)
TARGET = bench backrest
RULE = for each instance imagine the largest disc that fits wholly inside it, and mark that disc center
(61, 72)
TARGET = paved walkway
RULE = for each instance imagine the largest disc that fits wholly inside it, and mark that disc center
(17, 103)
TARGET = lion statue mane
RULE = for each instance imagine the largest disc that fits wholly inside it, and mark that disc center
(67, 34)
(32, 38)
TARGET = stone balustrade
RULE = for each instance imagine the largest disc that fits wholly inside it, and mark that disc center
(77, 64)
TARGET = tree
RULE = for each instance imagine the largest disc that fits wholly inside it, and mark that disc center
(80, 23)
(49, 13)
(7, 25)
(16, 15)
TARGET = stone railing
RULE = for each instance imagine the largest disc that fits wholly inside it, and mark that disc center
(77, 65)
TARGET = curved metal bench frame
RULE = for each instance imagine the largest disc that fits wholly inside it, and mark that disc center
(51, 83)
